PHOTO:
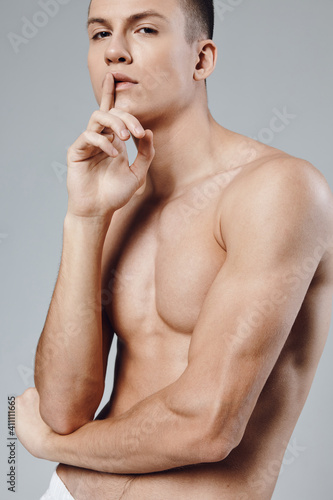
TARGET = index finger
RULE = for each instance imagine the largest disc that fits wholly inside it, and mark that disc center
(107, 101)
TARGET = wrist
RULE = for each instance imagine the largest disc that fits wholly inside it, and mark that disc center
(92, 221)
(96, 226)
(68, 448)
(51, 447)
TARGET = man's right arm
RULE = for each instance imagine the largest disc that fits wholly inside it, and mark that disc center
(72, 351)
(69, 366)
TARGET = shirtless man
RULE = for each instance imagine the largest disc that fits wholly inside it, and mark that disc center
(211, 258)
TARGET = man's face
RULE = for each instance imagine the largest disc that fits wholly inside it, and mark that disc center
(149, 48)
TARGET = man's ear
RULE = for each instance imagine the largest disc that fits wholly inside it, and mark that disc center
(206, 59)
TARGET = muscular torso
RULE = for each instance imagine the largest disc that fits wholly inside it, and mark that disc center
(159, 261)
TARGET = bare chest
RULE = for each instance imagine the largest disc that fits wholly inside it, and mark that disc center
(166, 262)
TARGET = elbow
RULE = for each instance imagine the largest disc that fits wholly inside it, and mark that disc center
(63, 424)
(206, 436)
(204, 444)
(214, 449)
(216, 440)
(217, 450)
(65, 419)
(66, 428)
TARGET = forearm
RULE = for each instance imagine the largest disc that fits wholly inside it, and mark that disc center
(69, 358)
(150, 437)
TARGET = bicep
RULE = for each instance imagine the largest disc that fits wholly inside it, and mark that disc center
(242, 328)
(252, 304)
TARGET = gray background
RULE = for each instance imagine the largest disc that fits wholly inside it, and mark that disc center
(272, 54)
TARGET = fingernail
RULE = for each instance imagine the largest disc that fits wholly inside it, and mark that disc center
(124, 133)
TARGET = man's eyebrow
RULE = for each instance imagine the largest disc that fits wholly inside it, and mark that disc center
(130, 19)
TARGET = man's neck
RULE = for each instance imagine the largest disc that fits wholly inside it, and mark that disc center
(187, 150)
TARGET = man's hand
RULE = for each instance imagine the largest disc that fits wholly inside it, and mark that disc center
(100, 179)
(30, 428)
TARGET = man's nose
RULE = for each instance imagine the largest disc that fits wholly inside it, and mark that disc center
(117, 51)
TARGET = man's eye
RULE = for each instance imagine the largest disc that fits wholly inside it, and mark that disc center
(148, 31)
(101, 34)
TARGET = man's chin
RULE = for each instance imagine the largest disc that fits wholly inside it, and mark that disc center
(124, 104)
(133, 109)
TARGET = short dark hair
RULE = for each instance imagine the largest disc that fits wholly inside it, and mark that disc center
(199, 16)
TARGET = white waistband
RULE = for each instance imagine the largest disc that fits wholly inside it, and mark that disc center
(57, 490)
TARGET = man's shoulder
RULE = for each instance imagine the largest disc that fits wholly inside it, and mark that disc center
(273, 171)
(279, 184)
(254, 162)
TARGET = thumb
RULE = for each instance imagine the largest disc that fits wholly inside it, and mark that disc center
(146, 153)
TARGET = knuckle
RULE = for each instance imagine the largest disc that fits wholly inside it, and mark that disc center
(86, 135)
(115, 111)
(81, 138)
(102, 142)
(135, 121)
(119, 113)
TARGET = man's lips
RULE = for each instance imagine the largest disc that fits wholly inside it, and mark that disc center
(124, 85)
(121, 77)
(123, 81)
